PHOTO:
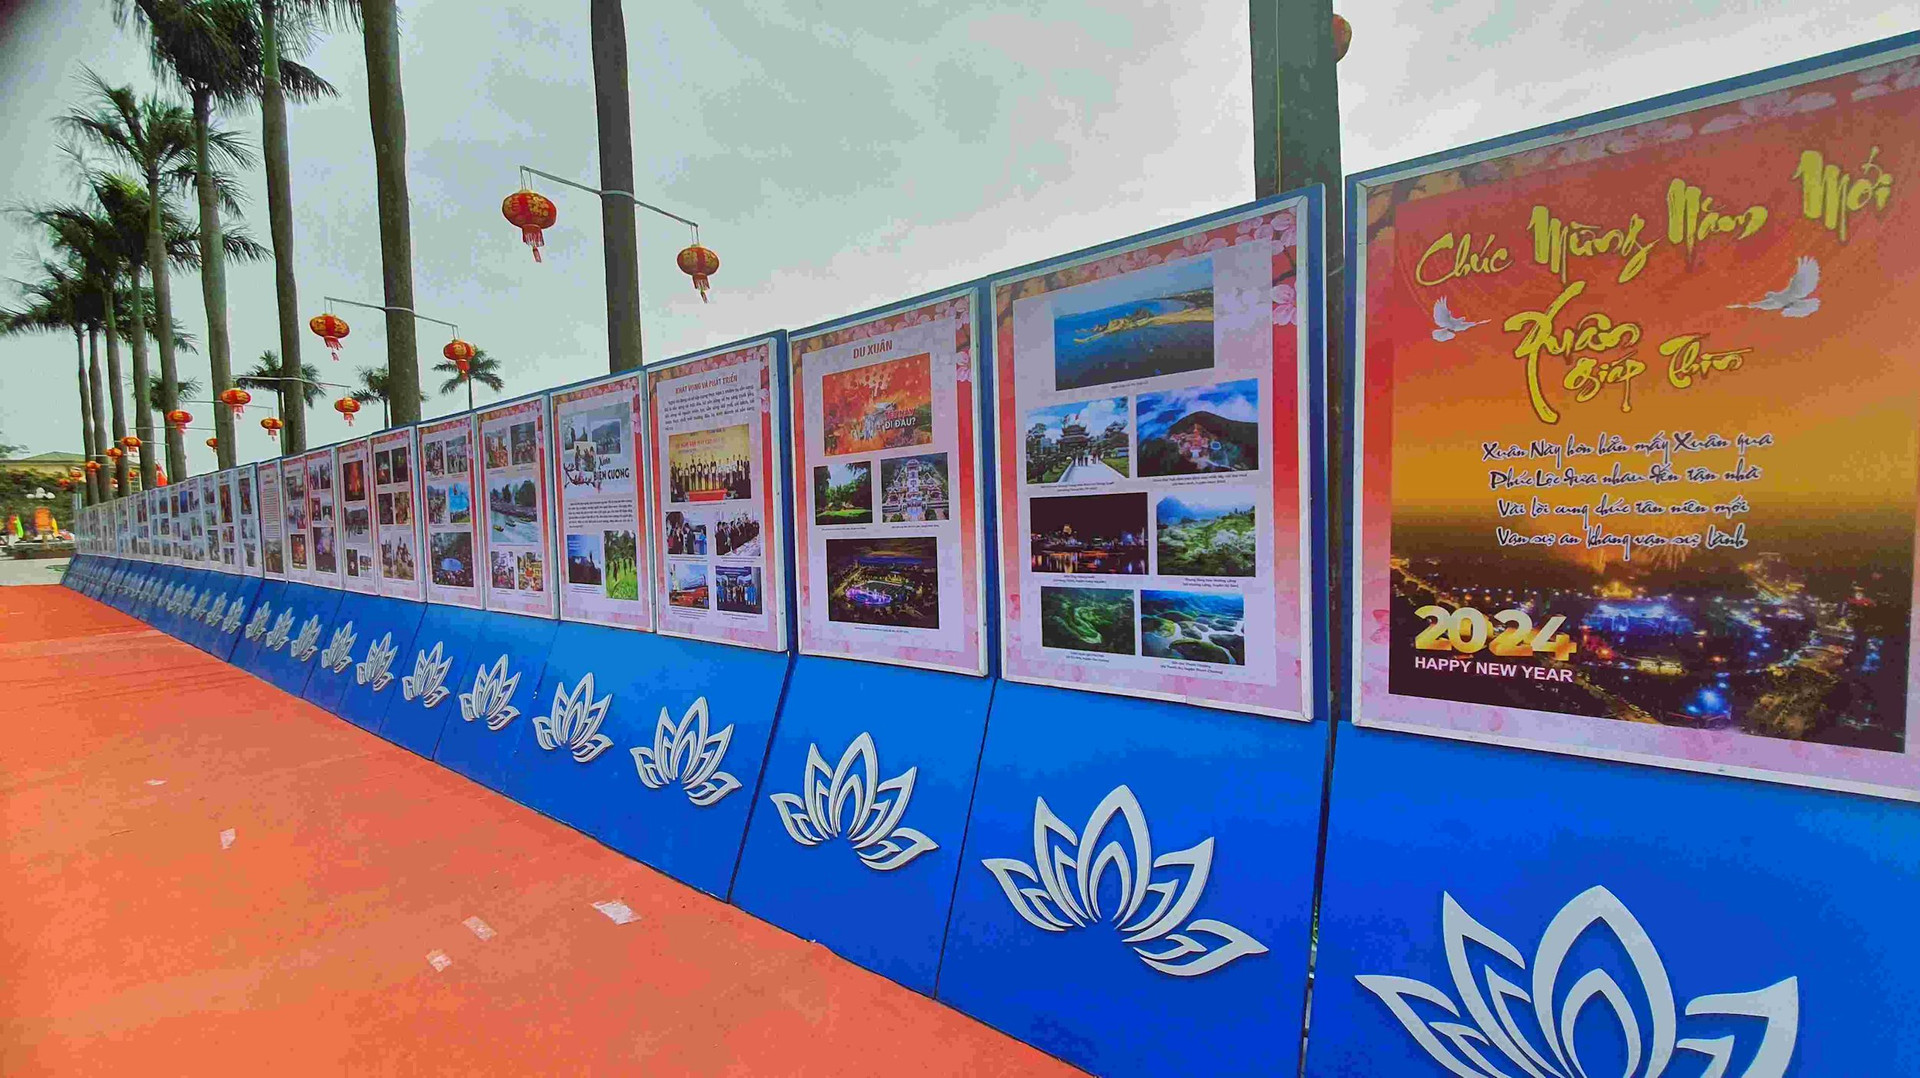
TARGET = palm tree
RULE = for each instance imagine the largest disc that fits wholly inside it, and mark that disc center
(380, 35)
(482, 368)
(156, 137)
(375, 386)
(204, 46)
(187, 389)
(612, 108)
(281, 77)
(91, 244)
(267, 374)
(54, 303)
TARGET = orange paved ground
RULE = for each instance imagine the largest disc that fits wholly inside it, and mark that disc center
(131, 943)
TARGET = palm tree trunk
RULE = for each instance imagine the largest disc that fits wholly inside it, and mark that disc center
(142, 402)
(114, 382)
(86, 414)
(621, 243)
(97, 391)
(213, 275)
(273, 137)
(380, 34)
(163, 330)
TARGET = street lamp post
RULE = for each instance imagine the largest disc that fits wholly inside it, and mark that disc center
(386, 410)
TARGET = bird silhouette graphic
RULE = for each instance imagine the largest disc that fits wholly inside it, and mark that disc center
(1446, 326)
(1797, 299)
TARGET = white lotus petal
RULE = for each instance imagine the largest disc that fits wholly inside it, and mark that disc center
(1163, 918)
(1394, 992)
(891, 854)
(1779, 1004)
(712, 790)
(585, 752)
(1120, 803)
(1030, 902)
(1235, 944)
(1458, 928)
(1598, 906)
(793, 816)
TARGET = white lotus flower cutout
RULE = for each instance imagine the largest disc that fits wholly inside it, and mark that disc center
(1539, 1040)
(184, 601)
(686, 753)
(257, 627)
(235, 614)
(1061, 889)
(852, 791)
(339, 649)
(214, 611)
(574, 721)
(282, 628)
(373, 670)
(308, 642)
(427, 682)
(492, 688)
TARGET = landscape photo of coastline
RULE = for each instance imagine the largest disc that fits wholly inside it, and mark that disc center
(1144, 324)
(1205, 531)
(1081, 442)
(1200, 429)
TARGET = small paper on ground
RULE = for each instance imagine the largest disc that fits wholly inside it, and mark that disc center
(617, 911)
(226, 838)
(156, 782)
(438, 960)
(480, 928)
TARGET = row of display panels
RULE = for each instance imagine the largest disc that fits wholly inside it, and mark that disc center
(1157, 462)
(1634, 405)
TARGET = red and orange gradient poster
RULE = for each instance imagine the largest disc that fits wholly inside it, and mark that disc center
(1640, 436)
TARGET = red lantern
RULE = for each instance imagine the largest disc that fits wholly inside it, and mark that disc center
(236, 399)
(1342, 38)
(132, 442)
(699, 263)
(346, 406)
(530, 211)
(74, 471)
(160, 478)
(114, 452)
(66, 484)
(271, 425)
(461, 353)
(213, 443)
(331, 328)
(179, 418)
(93, 466)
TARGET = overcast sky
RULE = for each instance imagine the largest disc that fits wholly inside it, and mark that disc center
(838, 155)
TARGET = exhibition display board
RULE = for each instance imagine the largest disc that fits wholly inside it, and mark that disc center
(518, 530)
(889, 558)
(246, 510)
(447, 477)
(1155, 489)
(600, 502)
(273, 521)
(1638, 474)
(715, 466)
(319, 513)
(396, 492)
(357, 572)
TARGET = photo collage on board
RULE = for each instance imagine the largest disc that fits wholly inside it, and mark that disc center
(323, 530)
(356, 518)
(228, 522)
(293, 490)
(1150, 441)
(446, 462)
(887, 462)
(597, 441)
(716, 539)
(394, 512)
(514, 506)
(248, 518)
(713, 531)
(273, 548)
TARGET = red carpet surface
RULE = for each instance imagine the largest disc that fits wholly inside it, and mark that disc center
(328, 933)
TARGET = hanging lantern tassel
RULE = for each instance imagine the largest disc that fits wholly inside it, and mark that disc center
(331, 329)
(700, 264)
(531, 212)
